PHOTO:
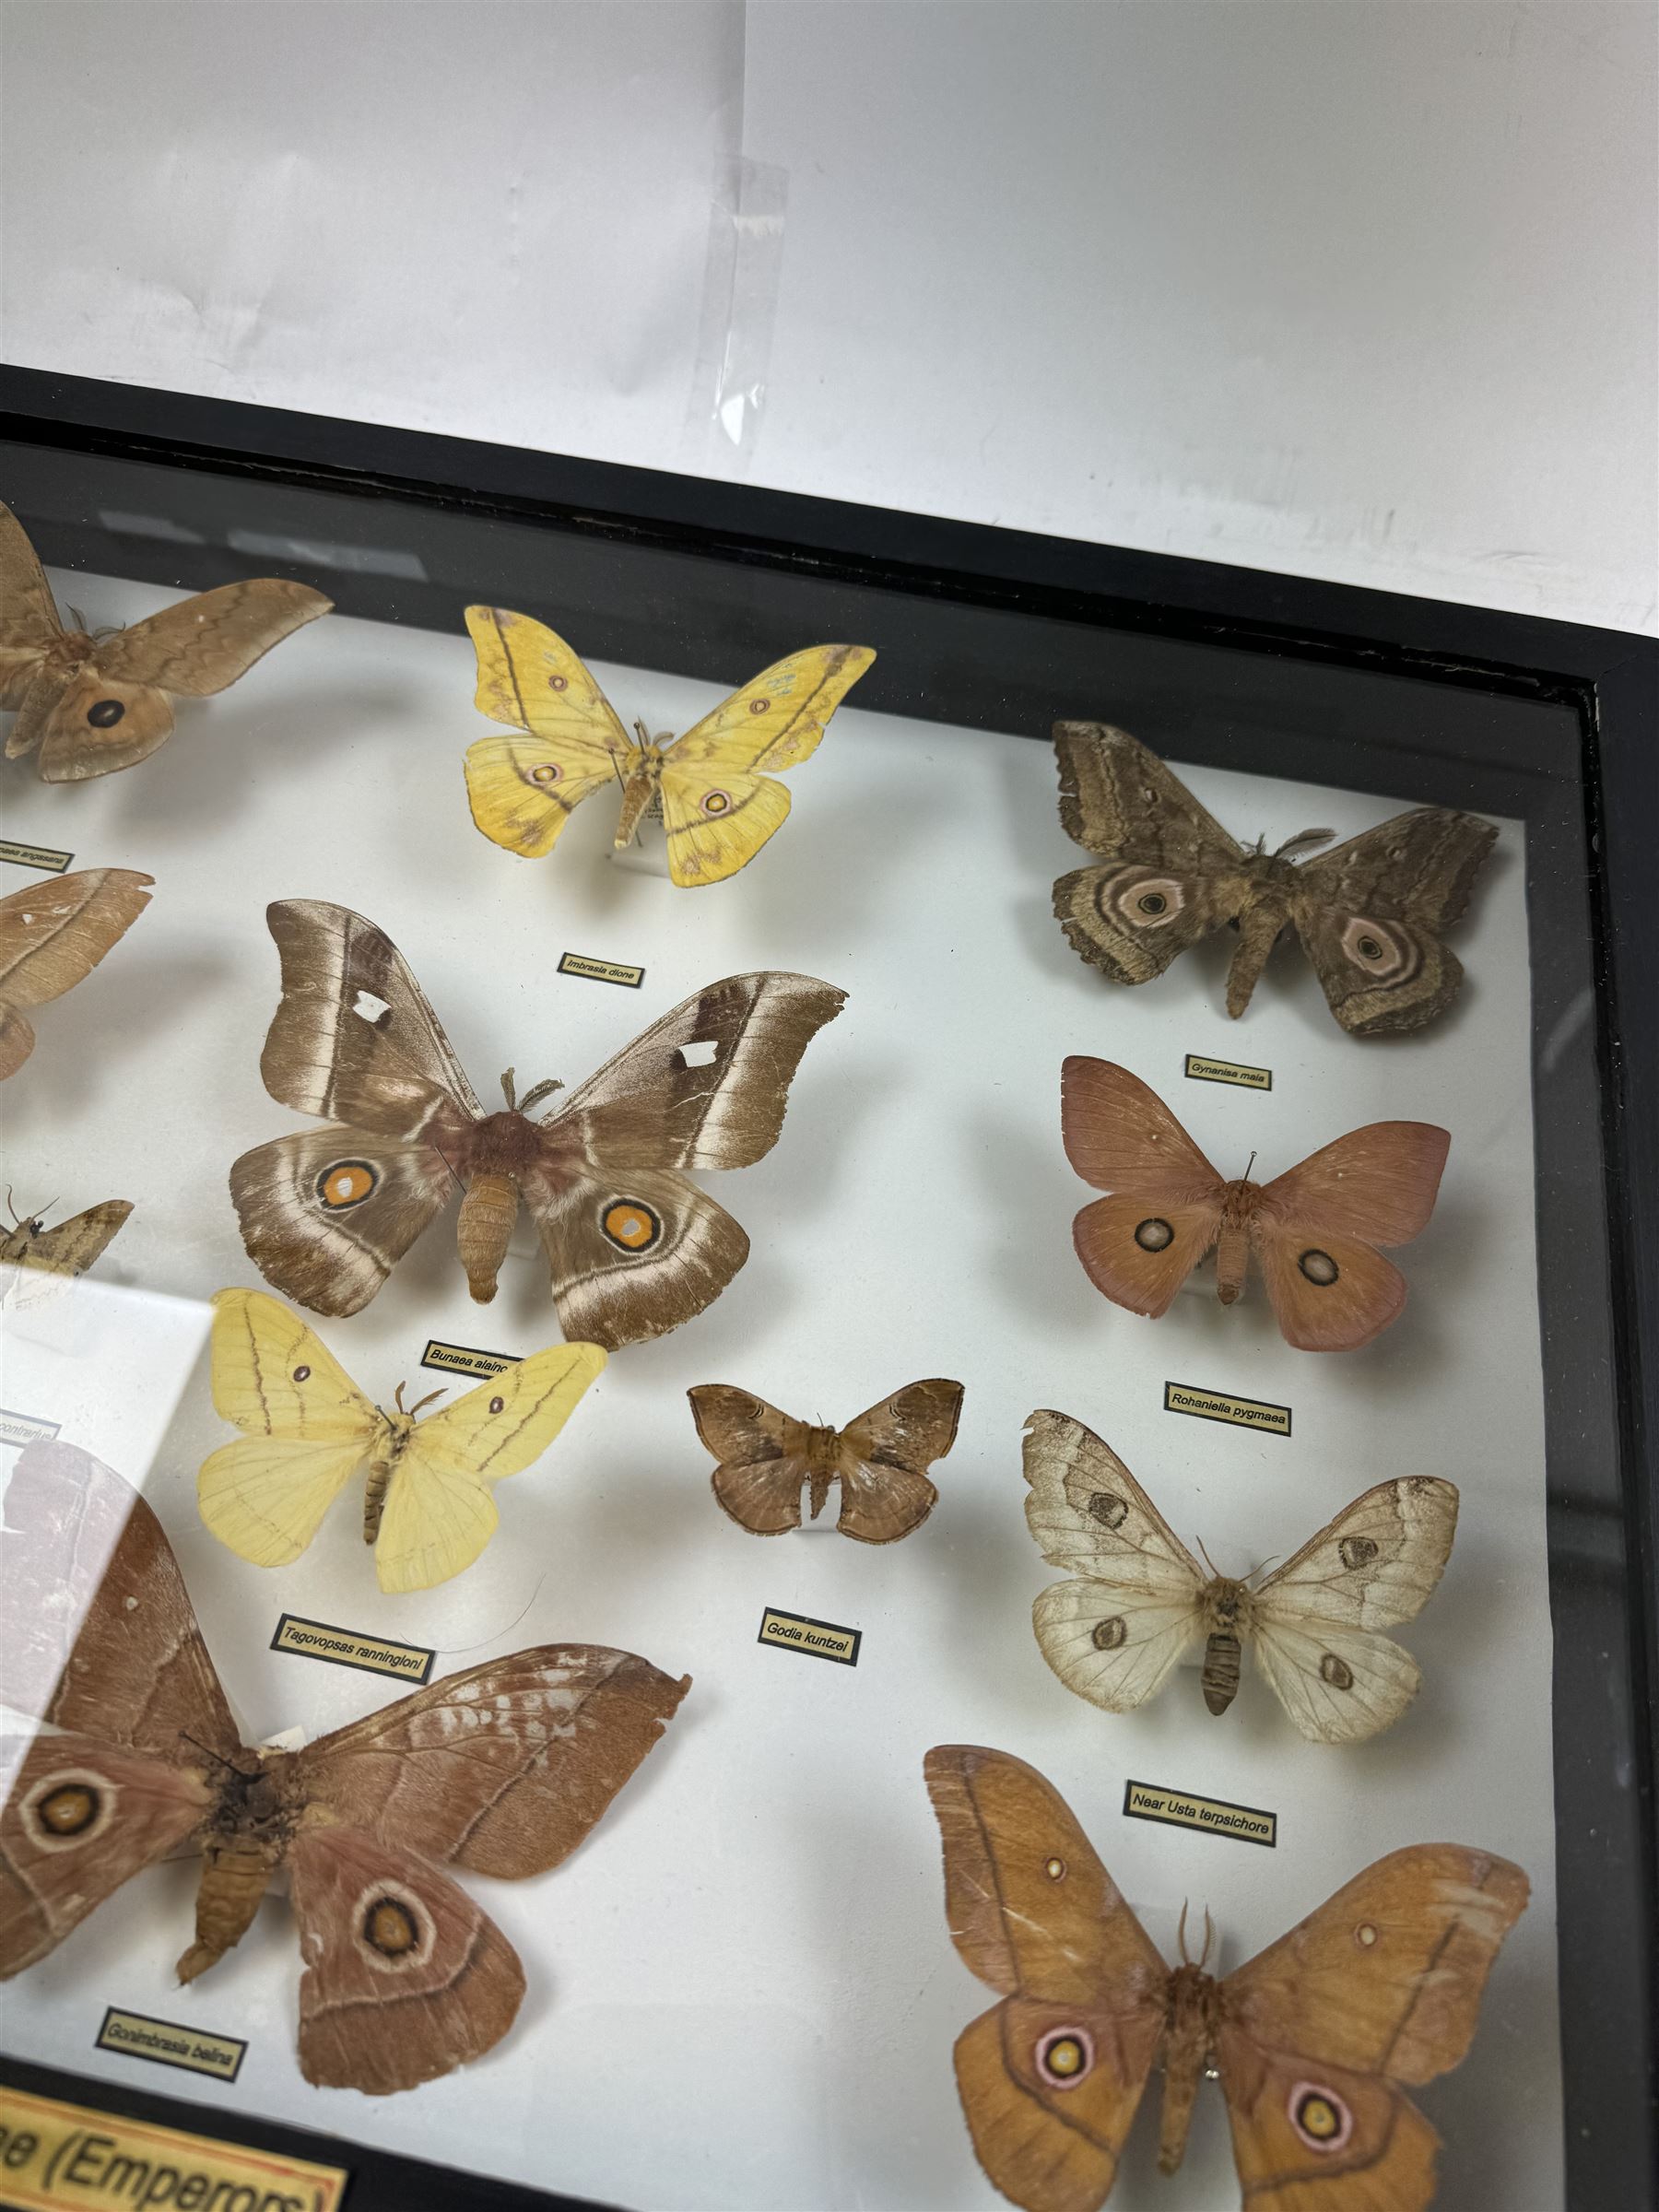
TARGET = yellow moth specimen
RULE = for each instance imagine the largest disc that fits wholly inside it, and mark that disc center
(428, 1509)
(719, 806)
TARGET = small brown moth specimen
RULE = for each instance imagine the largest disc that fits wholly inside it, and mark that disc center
(52, 936)
(1313, 1230)
(501, 1769)
(36, 1262)
(1369, 912)
(1139, 1599)
(880, 1459)
(93, 704)
(1315, 2040)
(634, 1247)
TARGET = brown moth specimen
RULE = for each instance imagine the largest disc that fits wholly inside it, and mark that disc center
(1313, 1231)
(633, 1246)
(36, 1262)
(880, 1460)
(501, 1770)
(90, 705)
(52, 936)
(1315, 2040)
(1139, 1599)
(1369, 912)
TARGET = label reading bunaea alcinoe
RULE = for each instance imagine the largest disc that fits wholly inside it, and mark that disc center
(341, 1647)
(1211, 1816)
(166, 2043)
(1202, 1069)
(34, 856)
(1215, 1405)
(66, 2157)
(813, 1639)
(601, 972)
(464, 1360)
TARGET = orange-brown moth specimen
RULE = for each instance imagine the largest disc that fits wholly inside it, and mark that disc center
(1315, 2040)
(1313, 1231)
(501, 1770)
(633, 1246)
(1369, 912)
(36, 1262)
(52, 936)
(880, 1460)
(89, 705)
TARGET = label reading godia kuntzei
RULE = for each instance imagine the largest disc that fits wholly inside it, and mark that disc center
(342, 1647)
(166, 2043)
(34, 856)
(1202, 1069)
(464, 1360)
(24, 1428)
(66, 2157)
(1217, 1406)
(813, 1639)
(600, 971)
(1211, 1816)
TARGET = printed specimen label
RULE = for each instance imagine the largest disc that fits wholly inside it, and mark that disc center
(135, 2035)
(65, 2158)
(340, 1647)
(1203, 1070)
(1214, 1815)
(1215, 1405)
(34, 856)
(601, 972)
(23, 1428)
(813, 1639)
(463, 1360)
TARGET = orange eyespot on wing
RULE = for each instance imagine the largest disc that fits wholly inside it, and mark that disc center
(347, 1184)
(631, 1224)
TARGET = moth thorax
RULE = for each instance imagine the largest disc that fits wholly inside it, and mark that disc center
(1189, 2030)
(234, 1876)
(1221, 1669)
(640, 788)
(485, 1230)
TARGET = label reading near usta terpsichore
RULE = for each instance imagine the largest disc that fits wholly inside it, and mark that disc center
(601, 972)
(66, 2157)
(1202, 1069)
(464, 1360)
(34, 856)
(813, 1639)
(1214, 1815)
(1215, 1405)
(342, 1647)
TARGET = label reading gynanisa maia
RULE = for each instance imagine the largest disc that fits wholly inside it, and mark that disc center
(23, 1428)
(166, 2043)
(813, 1639)
(1214, 1815)
(464, 1360)
(340, 1647)
(65, 2158)
(1203, 1070)
(601, 972)
(34, 856)
(1215, 1405)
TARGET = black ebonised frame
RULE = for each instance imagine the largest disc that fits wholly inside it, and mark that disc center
(1549, 721)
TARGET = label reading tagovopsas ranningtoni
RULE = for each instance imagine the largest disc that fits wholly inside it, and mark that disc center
(344, 1647)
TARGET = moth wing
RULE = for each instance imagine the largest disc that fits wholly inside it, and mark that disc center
(57, 1255)
(777, 719)
(405, 1978)
(717, 820)
(633, 1255)
(28, 618)
(204, 643)
(52, 935)
(274, 1376)
(1376, 1563)
(1355, 1297)
(134, 1813)
(1132, 919)
(1109, 1236)
(524, 789)
(98, 1634)
(1315, 1227)
(529, 678)
(438, 1514)
(92, 725)
(762, 1469)
(654, 1106)
(1088, 1512)
(264, 1498)
(1370, 914)
(1338, 1685)
(1051, 2077)
(885, 1456)
(353, 1036)
(325, 1213)
(1379, 1987)
(1120, 1135)
(1118, 797)
(502, 1769)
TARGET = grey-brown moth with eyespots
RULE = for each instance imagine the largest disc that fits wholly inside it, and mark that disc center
(1370, 914)
(1137, 1599)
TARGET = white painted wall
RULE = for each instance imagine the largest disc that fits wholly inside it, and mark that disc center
(1364, 292)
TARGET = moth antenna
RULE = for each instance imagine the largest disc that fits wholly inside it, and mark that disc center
(397, 1399)
(427, 1399)
(1304, 841)
(11, 1207)
(1180, 1934)
(1209, 1938)
(1263, 1568)
(507, 1092)
(1207, 1560)
(538, 1091)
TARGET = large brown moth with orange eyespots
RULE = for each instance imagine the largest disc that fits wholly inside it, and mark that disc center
(501, 1770)
(89, 705)
(1369, 912)
(634, 1247)
(1315, 2040)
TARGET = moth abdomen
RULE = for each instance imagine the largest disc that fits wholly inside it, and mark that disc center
(234, 1879)
(1220, 1670)
(485, 1230)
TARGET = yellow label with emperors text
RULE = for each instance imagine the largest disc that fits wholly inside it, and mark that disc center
(463, 1360)
(24, 1428)
(1215, 1405)
(34, 856)
(1228, 1071)
(1214, 1815)
(342, 1647)
(601, 972)
(135, 2035)
(65, 2158)
(812, 1639)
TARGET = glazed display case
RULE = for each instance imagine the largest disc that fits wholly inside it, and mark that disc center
(741, 1988)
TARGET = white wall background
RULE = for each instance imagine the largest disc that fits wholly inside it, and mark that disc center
(1362, 292)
